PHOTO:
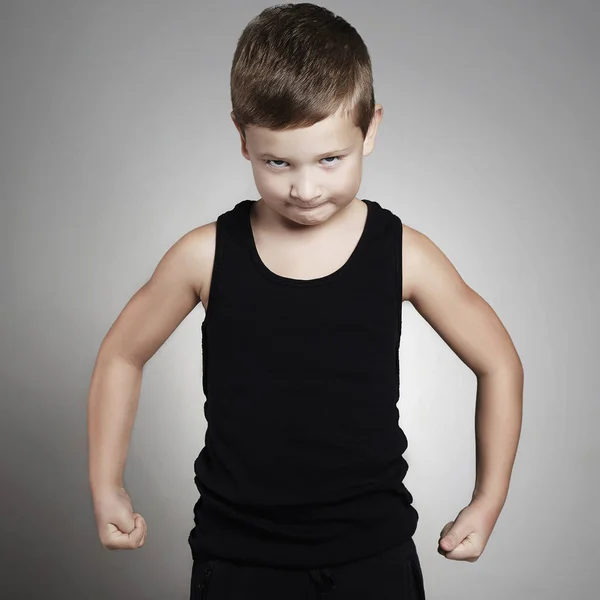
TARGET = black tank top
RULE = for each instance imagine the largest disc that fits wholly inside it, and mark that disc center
(302, 464)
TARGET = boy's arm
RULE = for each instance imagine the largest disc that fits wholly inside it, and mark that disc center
(468, 324)
(145, 323)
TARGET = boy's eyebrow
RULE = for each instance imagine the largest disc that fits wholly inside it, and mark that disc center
(324, 155)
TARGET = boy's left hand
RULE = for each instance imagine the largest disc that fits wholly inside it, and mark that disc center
(466, 537)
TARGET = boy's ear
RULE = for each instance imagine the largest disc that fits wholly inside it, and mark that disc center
(245, 153)
(234, 121)
(369, 142)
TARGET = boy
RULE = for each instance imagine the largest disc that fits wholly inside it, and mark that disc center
(301, 474)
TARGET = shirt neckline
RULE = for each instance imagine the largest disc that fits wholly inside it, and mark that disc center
(306, 282)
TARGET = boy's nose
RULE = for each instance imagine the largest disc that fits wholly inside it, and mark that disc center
(304, 192)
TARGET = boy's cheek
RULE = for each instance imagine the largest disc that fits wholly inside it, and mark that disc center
(269, 188)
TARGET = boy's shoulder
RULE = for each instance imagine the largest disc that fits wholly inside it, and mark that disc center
(200, 244)
(425, 269)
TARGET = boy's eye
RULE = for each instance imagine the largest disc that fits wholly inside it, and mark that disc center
(267, 162)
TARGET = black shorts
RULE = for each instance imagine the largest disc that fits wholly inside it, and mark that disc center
(392, 575)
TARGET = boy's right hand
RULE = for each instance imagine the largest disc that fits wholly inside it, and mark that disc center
(119, 527)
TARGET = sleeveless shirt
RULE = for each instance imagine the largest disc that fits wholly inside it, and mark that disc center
(303, 458)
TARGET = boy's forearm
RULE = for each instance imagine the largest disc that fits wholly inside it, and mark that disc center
(112, 406)
(498, 417)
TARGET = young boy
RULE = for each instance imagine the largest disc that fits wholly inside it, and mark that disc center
(301, 474)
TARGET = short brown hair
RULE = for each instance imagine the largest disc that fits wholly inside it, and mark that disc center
(297, 64)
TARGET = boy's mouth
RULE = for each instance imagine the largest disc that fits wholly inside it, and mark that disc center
(309, 207)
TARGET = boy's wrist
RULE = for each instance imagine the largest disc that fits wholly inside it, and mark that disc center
(490, 502)
(101, 486)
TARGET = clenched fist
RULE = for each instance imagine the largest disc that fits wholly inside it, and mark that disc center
(119, 527)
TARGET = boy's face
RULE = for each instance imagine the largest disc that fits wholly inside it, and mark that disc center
(319, 167)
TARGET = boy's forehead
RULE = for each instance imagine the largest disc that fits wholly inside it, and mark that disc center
(333, 132)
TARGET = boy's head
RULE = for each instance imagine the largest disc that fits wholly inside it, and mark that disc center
(303, 104)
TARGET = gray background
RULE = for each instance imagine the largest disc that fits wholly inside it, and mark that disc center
(116, 140)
